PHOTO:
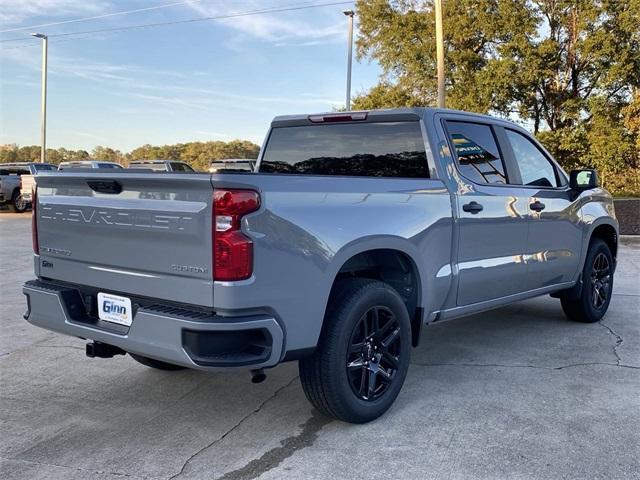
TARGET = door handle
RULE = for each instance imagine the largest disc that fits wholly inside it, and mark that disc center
(472, 207)
(537, 206)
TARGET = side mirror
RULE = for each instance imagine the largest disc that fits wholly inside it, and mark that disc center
(583, 179)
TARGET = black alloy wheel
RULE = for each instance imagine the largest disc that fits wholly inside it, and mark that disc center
(592, 299)
(600, 279)
(374, 353)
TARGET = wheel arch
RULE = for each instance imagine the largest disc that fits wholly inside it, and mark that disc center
(393, 262)
(609, 234)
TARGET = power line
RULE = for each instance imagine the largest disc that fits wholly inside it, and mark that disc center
(291, 7)
(97, 17)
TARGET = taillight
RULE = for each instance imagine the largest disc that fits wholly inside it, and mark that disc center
(34, 221)
(232, 250)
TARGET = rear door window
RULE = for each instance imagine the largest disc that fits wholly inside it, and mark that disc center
(477, 153)
(535, 167)
(382, 149)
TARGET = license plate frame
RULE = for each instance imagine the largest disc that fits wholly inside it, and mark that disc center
(115, 309)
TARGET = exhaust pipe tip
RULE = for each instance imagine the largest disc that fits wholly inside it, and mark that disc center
(258, 376)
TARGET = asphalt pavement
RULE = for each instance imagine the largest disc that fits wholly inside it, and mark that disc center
(516, 393)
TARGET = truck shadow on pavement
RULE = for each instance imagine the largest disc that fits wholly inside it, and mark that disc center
(118, 417)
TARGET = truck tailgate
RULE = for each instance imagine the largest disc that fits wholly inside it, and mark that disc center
(26, 185)
(146, 234)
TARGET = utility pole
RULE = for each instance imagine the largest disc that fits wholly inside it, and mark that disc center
(440, 52)
(43, 100)
(350, 14)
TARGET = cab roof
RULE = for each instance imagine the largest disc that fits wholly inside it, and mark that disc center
(378, 115)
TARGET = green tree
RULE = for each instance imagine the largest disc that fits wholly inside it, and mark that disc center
(145, 152)
(200, 154)
(197, 154)
(8, 153)
(108, 154)
(29, 153)
(567, 66)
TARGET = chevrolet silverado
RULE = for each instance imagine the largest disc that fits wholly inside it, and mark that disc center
(353, 232)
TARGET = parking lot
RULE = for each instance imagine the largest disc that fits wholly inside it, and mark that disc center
(519, 392)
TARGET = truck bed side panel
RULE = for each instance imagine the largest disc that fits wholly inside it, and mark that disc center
(309, 226)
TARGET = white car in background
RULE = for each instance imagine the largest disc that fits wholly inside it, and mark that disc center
(88, 164)
(162, 165)
(232, 165)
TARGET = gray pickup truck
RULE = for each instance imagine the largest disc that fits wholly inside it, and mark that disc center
(17, 183)
(355, 230)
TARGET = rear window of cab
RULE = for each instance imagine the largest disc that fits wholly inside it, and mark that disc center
(377, 149)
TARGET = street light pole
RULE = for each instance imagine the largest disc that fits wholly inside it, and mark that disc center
(43, 100)
(440, 52)
(350, 14)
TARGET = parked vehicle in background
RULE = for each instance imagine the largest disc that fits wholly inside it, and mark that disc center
(17, 182)
(162, 165)
(88, 164)
(232, 165)
(355, 230)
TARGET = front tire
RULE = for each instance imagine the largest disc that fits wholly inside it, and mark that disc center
(157, 364)
(363, 353)
(597, 278)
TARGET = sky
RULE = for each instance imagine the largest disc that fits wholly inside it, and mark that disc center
(210, 80)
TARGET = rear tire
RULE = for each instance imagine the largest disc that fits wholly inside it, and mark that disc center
(157, 364)
(597, 278)
(363, 353)
(18, 204)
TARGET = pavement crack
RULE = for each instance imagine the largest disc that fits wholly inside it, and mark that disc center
(540, 367)
(274, 457)
(619, 341)
(26, 347)
(234, 427)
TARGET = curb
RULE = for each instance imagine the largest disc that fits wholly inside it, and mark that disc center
(630, 239)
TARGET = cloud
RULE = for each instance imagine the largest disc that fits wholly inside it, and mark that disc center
(310, 43)
(172, 90)
(279, 26)
(88, 69)
(89, 135)
(211, 134)
(16, 11)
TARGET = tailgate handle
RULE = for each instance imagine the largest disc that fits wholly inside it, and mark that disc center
(104, 186)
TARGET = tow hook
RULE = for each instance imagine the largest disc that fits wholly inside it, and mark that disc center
(103, 350)
(258, 376)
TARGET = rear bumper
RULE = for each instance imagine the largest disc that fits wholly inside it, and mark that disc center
(174, 335)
